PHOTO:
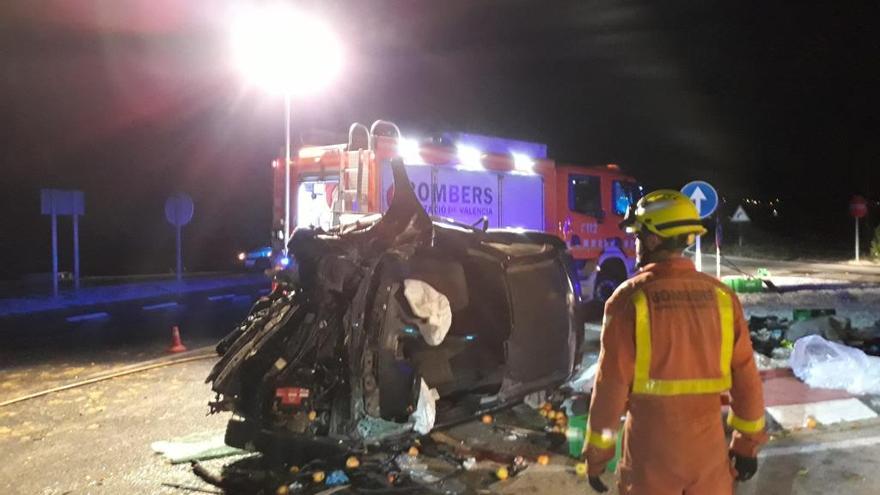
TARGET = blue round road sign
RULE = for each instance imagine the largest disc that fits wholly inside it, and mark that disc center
(703, 195)
(179, 209)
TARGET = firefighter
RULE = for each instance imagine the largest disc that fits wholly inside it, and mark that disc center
(673, 341)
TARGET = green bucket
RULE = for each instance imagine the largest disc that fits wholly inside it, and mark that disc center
(577, 432)
(745, 285)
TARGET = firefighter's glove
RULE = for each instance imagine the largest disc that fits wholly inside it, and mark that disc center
(597, 484)
(745, 467)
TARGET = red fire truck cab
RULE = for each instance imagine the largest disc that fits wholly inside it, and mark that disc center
(483, 181)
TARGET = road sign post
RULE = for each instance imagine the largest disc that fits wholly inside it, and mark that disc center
(75, 252)
(705, 198)
(56, 202)
(54, 250)
(718, 244)
(858, 208)
(179, 212)
(739, 217)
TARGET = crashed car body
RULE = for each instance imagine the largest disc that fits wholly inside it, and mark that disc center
(397, 323)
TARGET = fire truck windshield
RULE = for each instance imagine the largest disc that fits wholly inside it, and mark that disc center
(624, 193)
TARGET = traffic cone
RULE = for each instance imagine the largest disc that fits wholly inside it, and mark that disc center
(176, 344)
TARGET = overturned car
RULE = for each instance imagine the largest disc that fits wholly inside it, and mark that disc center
(394, 324)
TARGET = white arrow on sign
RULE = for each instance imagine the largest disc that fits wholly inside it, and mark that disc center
(697, 197)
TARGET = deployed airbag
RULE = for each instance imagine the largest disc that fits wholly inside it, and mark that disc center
(429, 304)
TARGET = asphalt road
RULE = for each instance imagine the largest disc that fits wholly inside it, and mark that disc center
(42, 352)
(96, 439)
(864, 272)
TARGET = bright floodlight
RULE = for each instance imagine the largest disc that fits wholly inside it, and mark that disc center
(409, 150)
(283, 50)
(523, 162)
(469, 157)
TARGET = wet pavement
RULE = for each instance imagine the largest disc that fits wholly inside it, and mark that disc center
(42, 352)
(96, 439)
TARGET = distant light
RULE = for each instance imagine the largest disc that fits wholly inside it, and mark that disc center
(410, 151)
(470, 337)
(613, 166)
(285, 261)
(241, 256)
(469, 157)
(523, 162)
(409, 330)
(274, 163)
(282, 50)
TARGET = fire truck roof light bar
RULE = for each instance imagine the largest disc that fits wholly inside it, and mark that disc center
(410, 151)
(523, 162)
(469, 157)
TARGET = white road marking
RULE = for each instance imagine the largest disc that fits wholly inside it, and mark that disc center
(221, 297)
(159, 306)
(825, 412)
(86, 317)
(820, 447)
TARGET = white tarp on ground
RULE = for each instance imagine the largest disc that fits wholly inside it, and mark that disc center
(426, 302)
(823, 364)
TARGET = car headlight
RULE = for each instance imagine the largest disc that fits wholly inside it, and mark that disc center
(241, 256)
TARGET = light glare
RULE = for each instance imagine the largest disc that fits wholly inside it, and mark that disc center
(469, 157)
(523, 162)
(284, 51)
(409, 150)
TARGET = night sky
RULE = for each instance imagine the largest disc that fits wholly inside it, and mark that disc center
(131, 100)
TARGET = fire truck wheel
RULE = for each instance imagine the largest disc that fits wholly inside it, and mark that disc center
(604, 287)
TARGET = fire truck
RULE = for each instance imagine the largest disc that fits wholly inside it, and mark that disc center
(480, 181)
